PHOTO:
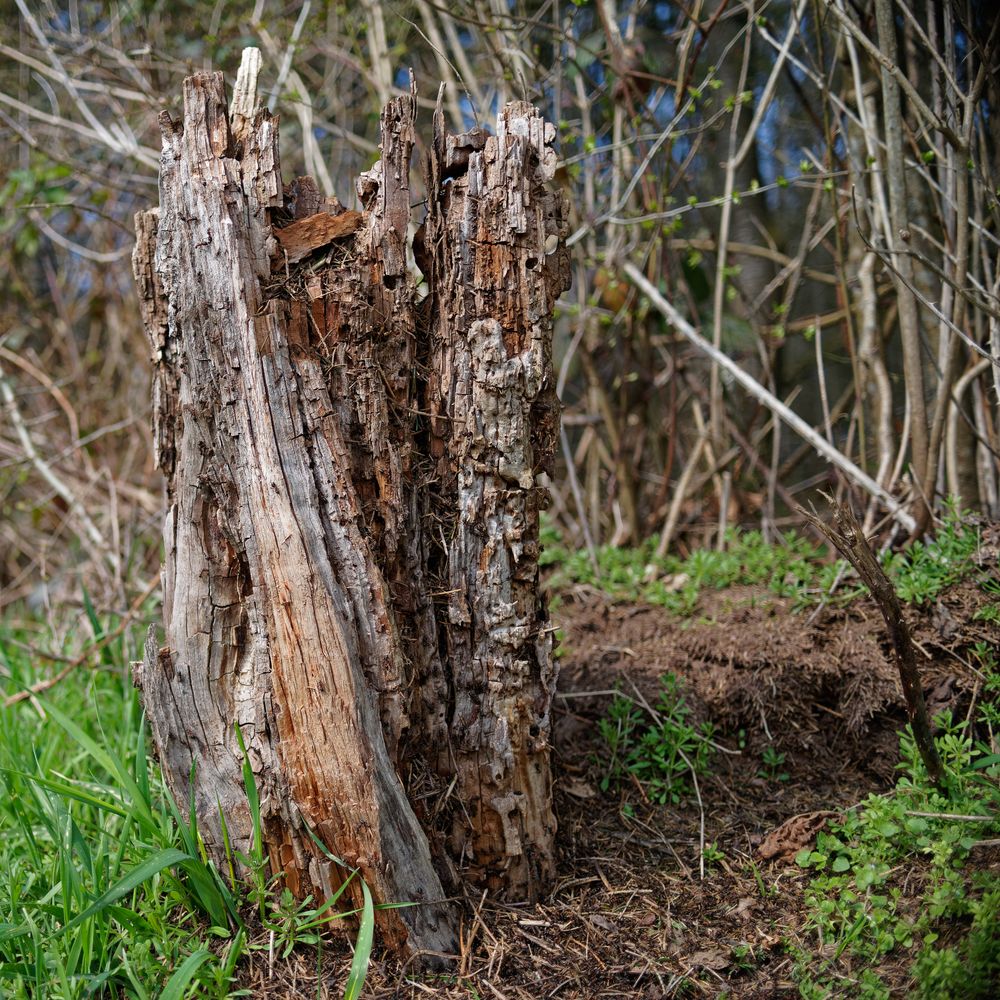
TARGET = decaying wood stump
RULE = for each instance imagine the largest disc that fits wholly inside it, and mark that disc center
(351, 539)
(494, 267)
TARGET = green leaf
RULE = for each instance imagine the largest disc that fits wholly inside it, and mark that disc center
(178, 983)
(840, 864)
(362, 948)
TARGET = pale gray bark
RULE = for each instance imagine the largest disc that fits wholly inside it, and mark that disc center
(312, 518)
(496, 264)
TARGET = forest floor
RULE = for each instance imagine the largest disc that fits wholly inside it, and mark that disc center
(703, 896)
(738, 813)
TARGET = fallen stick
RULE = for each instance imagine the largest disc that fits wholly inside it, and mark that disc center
(849, 539)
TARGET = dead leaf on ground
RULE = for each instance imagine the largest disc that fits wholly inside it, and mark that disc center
(715, 959)
(794, 835)
(579, 789)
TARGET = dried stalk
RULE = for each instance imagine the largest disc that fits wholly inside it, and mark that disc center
(849, 539)
(769, 399)
(909, 322)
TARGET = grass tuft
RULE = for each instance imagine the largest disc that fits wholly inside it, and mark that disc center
(107, 891)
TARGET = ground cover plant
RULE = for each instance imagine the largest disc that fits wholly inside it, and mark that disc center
(792, 567)
(655, 746)
(854, 897)
(107, 891)
(730, 718)
(858, 905)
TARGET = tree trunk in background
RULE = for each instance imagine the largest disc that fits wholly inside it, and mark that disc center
(352, 582)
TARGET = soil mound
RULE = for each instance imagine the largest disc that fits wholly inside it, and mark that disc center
(810, 683)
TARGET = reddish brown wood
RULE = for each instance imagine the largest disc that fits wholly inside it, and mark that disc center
(299, 239)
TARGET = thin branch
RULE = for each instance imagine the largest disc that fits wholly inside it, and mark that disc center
(768, 399)
(48, 474)
(890, 66)
(849, 539)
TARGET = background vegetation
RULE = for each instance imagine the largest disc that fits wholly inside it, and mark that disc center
(785, 232)
(809, 185)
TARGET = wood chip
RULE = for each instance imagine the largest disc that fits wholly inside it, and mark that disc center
(298, 240)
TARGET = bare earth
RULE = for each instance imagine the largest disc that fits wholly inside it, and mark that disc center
(631, 914)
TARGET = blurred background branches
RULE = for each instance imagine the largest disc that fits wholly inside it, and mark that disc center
(809, 185)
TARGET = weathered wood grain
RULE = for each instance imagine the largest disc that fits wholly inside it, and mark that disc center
(275, 613)
(351, 537)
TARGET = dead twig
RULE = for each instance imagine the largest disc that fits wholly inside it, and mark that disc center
(848, 537)
(50, 682)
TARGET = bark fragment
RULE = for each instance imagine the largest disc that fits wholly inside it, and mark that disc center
(298, 240)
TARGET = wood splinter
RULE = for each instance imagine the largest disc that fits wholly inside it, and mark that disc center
(299, 239)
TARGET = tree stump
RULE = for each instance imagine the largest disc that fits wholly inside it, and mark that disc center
(351, 537)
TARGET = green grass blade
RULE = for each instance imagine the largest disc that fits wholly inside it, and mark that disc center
(110, 762)
(988, 761)
(227, 846)
(178, 983)
(253, 799)
(233, 954)
(152, 866)
(142, 761)
(326, 850)
(362, 948)
(207, 889)
(70, 792)
(95, 622)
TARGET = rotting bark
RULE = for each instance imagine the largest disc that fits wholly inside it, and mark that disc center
(495, 262)
(354, 586)
(848, 537)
